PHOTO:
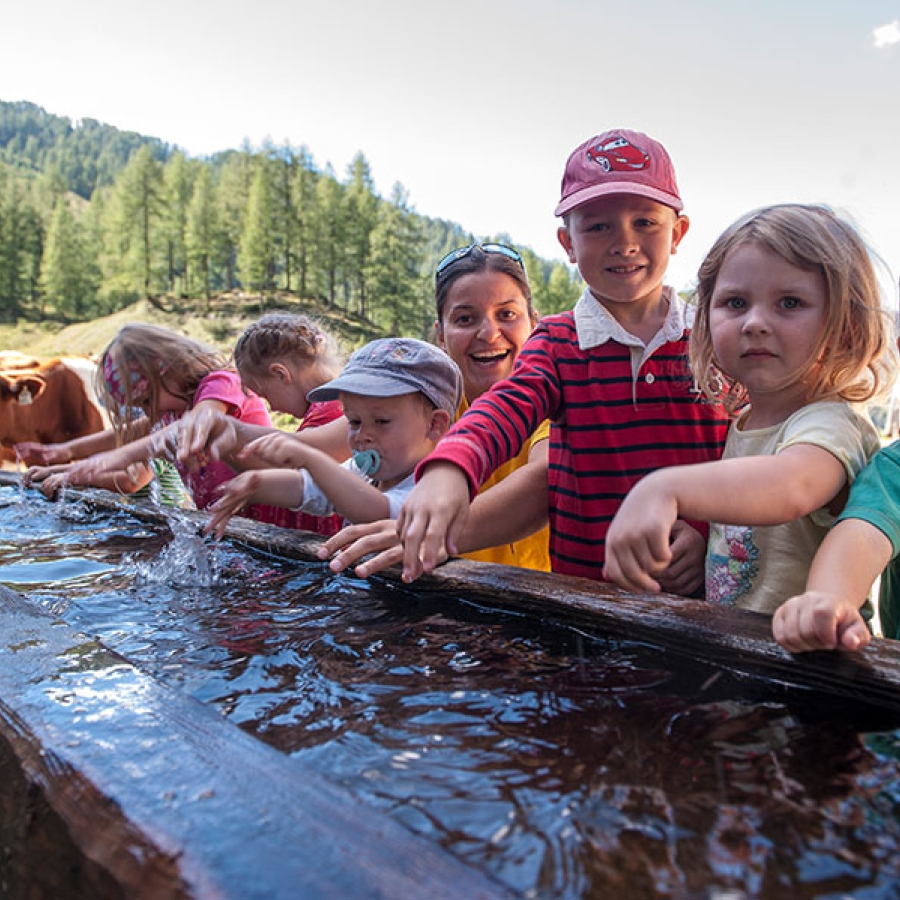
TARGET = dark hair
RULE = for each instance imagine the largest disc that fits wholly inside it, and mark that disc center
(479, 261)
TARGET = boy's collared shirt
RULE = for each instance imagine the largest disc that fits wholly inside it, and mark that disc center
(595, 325)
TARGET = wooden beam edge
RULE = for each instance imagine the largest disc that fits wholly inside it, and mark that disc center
(164, 798)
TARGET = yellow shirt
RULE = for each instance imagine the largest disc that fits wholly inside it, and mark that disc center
(534, 551)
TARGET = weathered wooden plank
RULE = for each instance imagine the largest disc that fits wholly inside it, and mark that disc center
(736, 639)
(112, 785)
(105, 807)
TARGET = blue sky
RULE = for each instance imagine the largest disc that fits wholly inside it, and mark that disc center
(474, 107)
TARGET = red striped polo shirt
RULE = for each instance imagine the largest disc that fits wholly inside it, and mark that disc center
(608, 430)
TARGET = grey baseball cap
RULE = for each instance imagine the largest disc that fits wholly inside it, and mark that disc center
(390, 367)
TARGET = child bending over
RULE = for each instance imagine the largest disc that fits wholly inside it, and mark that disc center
(151, 377)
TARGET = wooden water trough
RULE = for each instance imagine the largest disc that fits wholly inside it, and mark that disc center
(176, 802)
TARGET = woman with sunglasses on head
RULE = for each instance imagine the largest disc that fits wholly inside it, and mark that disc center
(485, 312)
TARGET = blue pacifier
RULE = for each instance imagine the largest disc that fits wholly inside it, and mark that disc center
(367, 461)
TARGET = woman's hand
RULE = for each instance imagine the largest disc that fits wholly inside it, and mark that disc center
(354, 542)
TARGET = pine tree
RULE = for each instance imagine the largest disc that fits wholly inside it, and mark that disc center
(202, 235)
(306, 177)
(563, 289)
(134, 226)
(67, 280)
(329, 229)
(398, 290)
(256, 257)
(176, 196)
(362, 214)
(232, 193)
(11, 249)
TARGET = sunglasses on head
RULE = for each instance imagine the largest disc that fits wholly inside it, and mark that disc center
(462, 252)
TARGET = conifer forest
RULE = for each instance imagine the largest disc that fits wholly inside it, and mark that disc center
(93, 218)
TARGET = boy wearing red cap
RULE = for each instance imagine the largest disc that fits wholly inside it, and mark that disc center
(611, 375)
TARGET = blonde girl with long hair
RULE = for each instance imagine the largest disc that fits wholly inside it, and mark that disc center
(150, 377)
(790, 333)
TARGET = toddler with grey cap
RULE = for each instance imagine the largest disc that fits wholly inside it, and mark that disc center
(399, 397)
(392, 366)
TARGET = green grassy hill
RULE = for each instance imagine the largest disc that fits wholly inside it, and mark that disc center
(217, 322)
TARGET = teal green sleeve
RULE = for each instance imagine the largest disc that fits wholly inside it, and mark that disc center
(875, 495)
(875, 498)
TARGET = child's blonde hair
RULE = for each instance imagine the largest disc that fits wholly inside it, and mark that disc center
(293, 337)
(156, 358)
(855, 359)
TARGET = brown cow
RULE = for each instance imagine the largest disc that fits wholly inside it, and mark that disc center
(48, 403)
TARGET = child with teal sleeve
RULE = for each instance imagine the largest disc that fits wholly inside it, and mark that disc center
(864, 542)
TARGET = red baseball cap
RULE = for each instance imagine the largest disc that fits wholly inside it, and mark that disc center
(619, 162)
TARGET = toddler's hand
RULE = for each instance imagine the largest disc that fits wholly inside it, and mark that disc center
(819, 621)
(280, 451)
(233, 496)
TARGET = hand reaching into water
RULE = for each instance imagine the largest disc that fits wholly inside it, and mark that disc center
(275, 487)
(352, 543)
(205, 435)
(33, 453)
(432, 518)
(48, 479)
(233, 496)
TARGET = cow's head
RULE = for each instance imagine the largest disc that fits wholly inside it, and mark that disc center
(22, 389)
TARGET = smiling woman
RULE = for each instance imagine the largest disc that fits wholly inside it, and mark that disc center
(485, 313)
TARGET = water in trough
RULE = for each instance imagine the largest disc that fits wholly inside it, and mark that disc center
(563, 762)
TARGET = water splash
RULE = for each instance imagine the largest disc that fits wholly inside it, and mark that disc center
(188, 560)
(21, 469)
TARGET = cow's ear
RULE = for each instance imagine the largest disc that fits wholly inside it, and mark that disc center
(30, 386)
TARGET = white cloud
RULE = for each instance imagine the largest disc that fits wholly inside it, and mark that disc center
(887, 35)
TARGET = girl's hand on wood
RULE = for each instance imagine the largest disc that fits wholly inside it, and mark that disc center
(819, 621)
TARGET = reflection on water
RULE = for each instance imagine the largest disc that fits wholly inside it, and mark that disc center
(565, 763)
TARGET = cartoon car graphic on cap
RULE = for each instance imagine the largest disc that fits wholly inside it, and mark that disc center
(618, 155)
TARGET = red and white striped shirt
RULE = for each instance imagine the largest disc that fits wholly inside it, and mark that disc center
(618, 409)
